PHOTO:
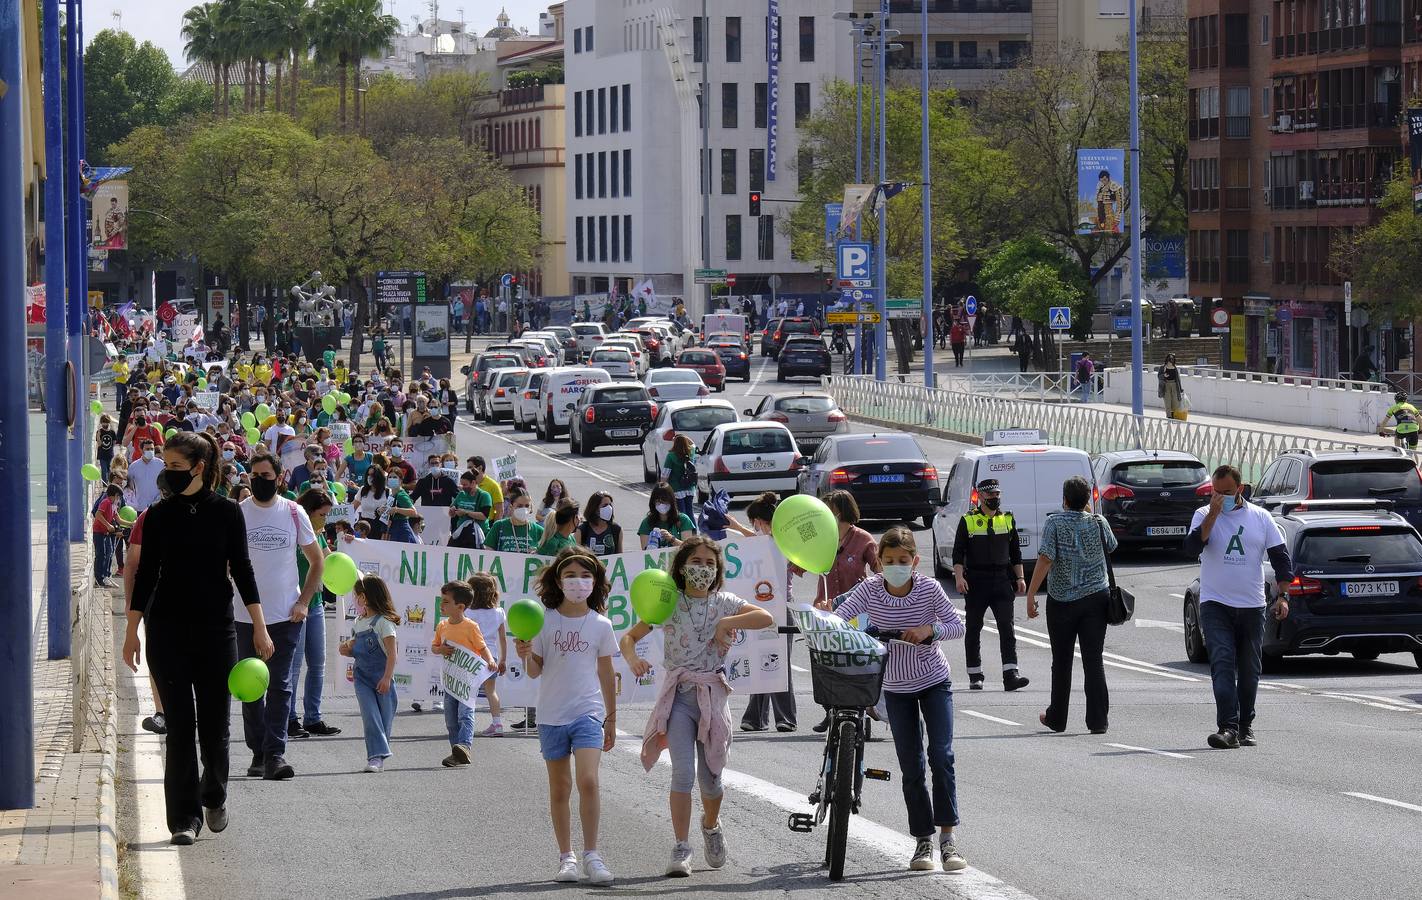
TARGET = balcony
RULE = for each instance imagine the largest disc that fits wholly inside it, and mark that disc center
(961, 6)
(1331, 40)
(942, 63)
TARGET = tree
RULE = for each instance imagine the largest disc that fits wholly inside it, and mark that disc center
(440, 106)
(290, 23)
(346, 32)
(1026, 277)
(1384, 260)
(129, 86)
(201, 30)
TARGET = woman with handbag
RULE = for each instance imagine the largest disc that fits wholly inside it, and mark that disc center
(1170, 390)
(1072, 559)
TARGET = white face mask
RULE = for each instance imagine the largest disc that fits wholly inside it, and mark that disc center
(897, 576)
(521, 514)
(228, 455)
(663, 508)
(396, 452)
(577, 589)
(148, 455)
(606, 513)
(699, 577)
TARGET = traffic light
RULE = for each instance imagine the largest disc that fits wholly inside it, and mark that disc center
(755, 203)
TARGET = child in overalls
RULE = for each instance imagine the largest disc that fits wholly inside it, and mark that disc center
(372, 646)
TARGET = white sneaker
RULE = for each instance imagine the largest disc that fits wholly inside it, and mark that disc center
(595, 870)
(495, 729)
(680, 864)
(374, 764)
(715, 840)
(567, 869)
(437, 706)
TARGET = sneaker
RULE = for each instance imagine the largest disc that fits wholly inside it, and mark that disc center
(715, 841)
(216, 818)
(746, 726)
(322, 729)
(785, 727)
(567, 869)
(294, 730)
(1012, 681)
(595, 870)
(923, 856)
(680, 864)
(1246, 738)
(1224, 739)
(495, 729)
(156, 723)
(184, 838)
(526, 725)
(975, 682)
(822, 726)
(415, 705)
(458, 756)
(277, 768)
(953, 861)
(374, 764)
(437, 706)
(258, 766)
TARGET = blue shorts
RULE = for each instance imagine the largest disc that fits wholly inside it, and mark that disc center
(559, 741)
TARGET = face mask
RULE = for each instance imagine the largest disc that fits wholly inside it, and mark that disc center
(699, 577)
(178, 479)
(897, 576)
(577, 589)
(234, 478)
(1231, 502)
(606, 513)
(264, 489)
(663, 508)
(521, 514)
(228, 455)
(556, 491)
(992, 502)
(396, 452)
(148, 455)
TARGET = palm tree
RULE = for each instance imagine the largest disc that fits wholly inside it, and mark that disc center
(346, 32)
(291, 23)
(200, 30)
(230, 36)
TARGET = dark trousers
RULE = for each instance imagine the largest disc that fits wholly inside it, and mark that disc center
(958, 354)
(757, 714)
(996, 591)
(1069, 623)
(910, 715)
(1024, 361)
(1233, 637)
(190, 670)
(264, 719)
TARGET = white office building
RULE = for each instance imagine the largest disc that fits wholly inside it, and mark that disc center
(634, 70)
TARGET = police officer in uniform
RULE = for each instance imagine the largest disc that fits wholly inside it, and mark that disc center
(987, 566)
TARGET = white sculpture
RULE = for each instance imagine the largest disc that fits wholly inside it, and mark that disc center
(316, 303)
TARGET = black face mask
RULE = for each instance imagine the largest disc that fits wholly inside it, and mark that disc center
(264, 489)
(992, 503)
(175, 481)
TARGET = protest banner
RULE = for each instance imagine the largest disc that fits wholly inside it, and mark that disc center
(505, 467)
(462, 673)
(340, 433)
(437, 526)
(207, 400)
(341, 512)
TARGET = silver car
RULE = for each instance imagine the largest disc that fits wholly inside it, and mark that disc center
(811, 416)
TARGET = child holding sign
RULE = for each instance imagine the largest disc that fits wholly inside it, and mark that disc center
(455, 598)
(577, 699)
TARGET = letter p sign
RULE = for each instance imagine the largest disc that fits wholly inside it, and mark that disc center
(853, 261)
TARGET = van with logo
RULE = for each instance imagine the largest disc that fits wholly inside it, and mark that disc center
(1030, 472)
(559, 393)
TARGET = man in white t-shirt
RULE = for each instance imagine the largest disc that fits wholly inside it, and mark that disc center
(277, 529)
(1233, 538)
(143, 477)
(281, 427)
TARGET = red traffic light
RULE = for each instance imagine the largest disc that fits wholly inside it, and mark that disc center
(755, 203)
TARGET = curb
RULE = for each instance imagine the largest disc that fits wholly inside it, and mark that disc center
(108, 807)
(926, 431)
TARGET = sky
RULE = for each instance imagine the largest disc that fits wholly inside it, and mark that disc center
(161, 21)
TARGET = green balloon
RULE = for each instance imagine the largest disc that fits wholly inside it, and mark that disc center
(128, 515)
(253, 435)
(202, 384)
(169, 433)
(654, 596)
(249, 420)
(328, 403)
(90, 472)
(349, 446)
(263, 411)
(340, 491)
(525, 619)
(248, 679)
(340, 574)
(96, 407)
(343, 398)
(806, 532)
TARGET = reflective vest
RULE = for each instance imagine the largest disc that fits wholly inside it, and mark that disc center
(989, 538)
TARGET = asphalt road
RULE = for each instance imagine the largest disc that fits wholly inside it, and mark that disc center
(1329, 805)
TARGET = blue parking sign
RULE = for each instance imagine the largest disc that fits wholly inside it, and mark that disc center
(852, 260)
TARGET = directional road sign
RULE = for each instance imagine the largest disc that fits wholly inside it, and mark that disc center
(710, 276)
(904, 307)
(1059, 318)
(970, 307)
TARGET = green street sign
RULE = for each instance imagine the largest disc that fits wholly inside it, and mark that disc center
(903, 307)
(710, 276)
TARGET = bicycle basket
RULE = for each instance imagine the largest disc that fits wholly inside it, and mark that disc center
(835, 687)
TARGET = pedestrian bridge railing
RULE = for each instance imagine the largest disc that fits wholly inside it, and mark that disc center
(963, 416)
(1041, 386)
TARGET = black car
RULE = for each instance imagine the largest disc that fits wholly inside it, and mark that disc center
(734, 357)
(1357, 585)
(801, 356)
(1149, 496)
(888, 475)
(477, 375)
(778, 331)
(610, 414)
(1381, 474)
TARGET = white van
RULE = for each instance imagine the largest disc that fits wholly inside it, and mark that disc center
(560, 391)
(1030, 472)
(724, 322)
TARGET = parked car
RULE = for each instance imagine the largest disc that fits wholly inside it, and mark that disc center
(1385, 473)
(811, 415)
(1357, 585)
(589, 335)
(733, 355)
(888, 474)
(498, 399)
(557, 395)
(610, 414)
(1149, 496)
(675, 384)
(476, 376)
(525, 406)
(694, 418)
(802, 356)
(617, 361)
(748, 458)
(705, 363)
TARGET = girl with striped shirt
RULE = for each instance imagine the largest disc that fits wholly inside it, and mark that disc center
(918, 688)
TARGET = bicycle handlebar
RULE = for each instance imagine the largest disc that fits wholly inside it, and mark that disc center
(883, 634)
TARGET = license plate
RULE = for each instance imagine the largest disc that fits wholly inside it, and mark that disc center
(1166, 531)
(1369, 588)
(757, 465)
(1022, 539)
(886, 479)
(622, 432)
(805, 359)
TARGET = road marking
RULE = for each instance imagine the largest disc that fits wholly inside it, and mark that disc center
(1151, 751)
(984, 716)
(1158, 623)
(1398, 803)
(1111, 659)
(1178, 596)
(159, 864)
(531, 446)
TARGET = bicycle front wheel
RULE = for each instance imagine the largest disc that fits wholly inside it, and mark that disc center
(842, 794)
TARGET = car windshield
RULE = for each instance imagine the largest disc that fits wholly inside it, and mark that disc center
(672, 375)
(802, 327)
(1392, 479)
(701, 418)
(879, 447)
(1376, 545)
(757, 440)
(610, 356)
(498, 362)
(1162, 475)
(619, 395)
(698, 359)
(586, 329)
(804, 405)
(803, 346)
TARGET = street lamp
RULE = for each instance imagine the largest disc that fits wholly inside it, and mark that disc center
(863, 25)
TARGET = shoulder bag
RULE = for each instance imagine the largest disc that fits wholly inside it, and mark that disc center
(1120, 603)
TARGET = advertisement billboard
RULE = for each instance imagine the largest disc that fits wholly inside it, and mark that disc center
(1100, 191)
(109, 216)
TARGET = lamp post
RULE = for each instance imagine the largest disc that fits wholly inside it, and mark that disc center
(928, 342)
(881, 348)
(1137, 374)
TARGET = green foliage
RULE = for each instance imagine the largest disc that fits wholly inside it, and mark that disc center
(128, 86)
(551, 74)
(1385, 260)
(1027, 276)
(438, 107)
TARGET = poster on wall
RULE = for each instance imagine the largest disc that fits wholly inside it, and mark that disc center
(109, 216)
(1237, 338)
(1414, 146)
(1100, 191)
(432, 331)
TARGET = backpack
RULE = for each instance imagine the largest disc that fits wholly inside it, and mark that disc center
(1083, 372)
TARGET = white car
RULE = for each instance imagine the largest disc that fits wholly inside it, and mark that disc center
(558, 394)
(549, 340)
(544, 356)
(616, 361)
(694, 418)
(675, 384)
(498, 399)
(589, 335)
(748, 458)
(669, 329)
(631, 345)
(525, 403)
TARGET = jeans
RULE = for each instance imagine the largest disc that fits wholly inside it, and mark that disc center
(1233, 637)
(264, 719)
(1087, 388)
(103, 556)
(930, 709)
(459, 722)
(377, 710)
(996, 591)
(1068, 623)
(687, 506)
(311, 649)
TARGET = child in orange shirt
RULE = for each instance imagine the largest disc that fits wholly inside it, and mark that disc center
(456, 627)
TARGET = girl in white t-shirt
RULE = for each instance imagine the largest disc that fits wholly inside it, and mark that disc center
(493, 624)
(577, 699)
(372, 646)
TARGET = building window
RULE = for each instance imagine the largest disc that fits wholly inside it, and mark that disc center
(577, 40)
(626, 173)
(805, 168)
(616, 239)
(626, 238)
(578, 176)
(577, 114)
(757, 169)
(1204, 42)
(1268, 245)
(592, 238)
(578, 237)
(1302, 343)
(802, 102)
(580, 285)
(602, 110)
(602, 238)
(1204, 113)
(942, 50)
(612, 101)
(588, 96)
(1236, 112)
(733, 237)
(733, 39)
(968, 53)
(765, 245)
(588, 39)
(1204, 193)
(627, 107)
(761, 102)
(602, 173)
(1204, 253)
(592, 171)
(698, 39)
(1264, 102)
(1264, 38)
(1236, 183)
(807, 39)
(728, 171)
(1236, 40)
(730, 104)
(1237, 256)
(615, 169)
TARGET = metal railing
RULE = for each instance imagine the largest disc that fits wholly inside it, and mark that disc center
(1335, 384)
(958, 415)
(1039, 386)
(1409, 383)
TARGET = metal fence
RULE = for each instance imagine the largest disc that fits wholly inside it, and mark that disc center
(1041, 386)
(959, 415)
